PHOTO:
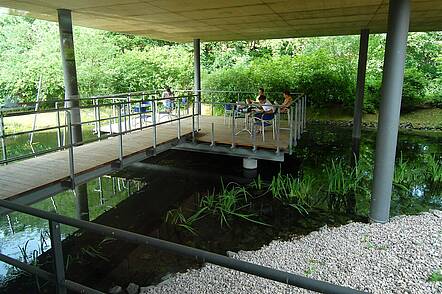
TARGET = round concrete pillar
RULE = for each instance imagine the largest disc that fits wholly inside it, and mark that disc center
(249, 163)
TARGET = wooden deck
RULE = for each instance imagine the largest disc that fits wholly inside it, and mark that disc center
(23, 177)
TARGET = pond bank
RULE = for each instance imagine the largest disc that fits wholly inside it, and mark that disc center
(398, 257)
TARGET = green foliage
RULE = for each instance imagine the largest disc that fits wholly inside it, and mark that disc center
(343, 182)
(177, 217)
(292, 191)
(415, 84)
(433, 172)
(435, 276)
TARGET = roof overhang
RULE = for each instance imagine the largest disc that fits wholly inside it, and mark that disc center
(216, 20)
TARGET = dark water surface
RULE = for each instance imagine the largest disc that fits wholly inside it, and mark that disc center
(177, 179)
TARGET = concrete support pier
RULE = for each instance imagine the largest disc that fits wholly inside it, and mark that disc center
(389, 112)
(249, 163)
(359, 101)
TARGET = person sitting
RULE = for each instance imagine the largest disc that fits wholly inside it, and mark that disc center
(168, 103)
(288, 100)
(260, 93)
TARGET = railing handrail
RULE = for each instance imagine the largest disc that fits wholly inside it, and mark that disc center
(198, 254)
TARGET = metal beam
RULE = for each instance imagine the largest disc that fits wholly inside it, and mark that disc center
(389, 112)
(360, 87)
(227, 150)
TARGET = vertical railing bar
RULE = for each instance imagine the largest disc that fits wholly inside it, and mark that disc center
(198, 105)
(2, 137)
(212, 101)
(100, 190)
(58, 125)
(71, 148)
(212, 135)
(99, 118)
(301, 118)
(94, 102)
(233, 131)
(120, 135)
(295, 121)
(129, 109)
(154, 122)
(254, 148)
(277, 128)
(179, 118)
(56, 245)
(141, 116)
(298, 131)
(193, 121)
(290, 126)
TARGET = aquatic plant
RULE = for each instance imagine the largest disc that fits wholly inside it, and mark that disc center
(177, 217)
(93, 253)
(294, 192)
(258, 184)
(343, 183)
(229, 202)
(433, 172)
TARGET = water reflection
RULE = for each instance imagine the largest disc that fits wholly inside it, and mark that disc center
(25, 237)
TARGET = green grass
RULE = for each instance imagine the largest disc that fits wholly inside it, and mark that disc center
(435, 276)
(294, 192)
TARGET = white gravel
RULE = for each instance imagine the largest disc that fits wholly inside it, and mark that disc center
(397, 257)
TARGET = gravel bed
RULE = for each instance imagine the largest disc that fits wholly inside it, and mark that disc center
(397, 257)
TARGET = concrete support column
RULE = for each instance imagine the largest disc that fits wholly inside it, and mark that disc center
(360, 87)
(69, 71)
(388, 124)
(197, 73)
(249, 163)
(71, 96)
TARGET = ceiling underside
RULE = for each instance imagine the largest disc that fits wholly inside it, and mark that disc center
(215, 20)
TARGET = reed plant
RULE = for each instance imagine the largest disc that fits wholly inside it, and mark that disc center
(433, 171)
(294, 192)
(343, 183)
(177, 217)
(230, 202)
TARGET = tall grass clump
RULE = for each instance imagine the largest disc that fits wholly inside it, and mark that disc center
(230, 202)
(433, 172)
(343, 183)
(294, 192)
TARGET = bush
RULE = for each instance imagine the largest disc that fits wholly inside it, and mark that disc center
(414, 89)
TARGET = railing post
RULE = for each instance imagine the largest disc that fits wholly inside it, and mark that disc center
(120, 135)
(253, 135)
(193, 121)
(95, 116)
(2, 138)
(56, 245)
(179, 118)
(212, 105)
(141, 116)
(277, 128)
(71, 149)
(299, 123)
(291, 127)
(129, 108)
(212, 135)
(58, 125)
(99, 119)
(154, 122)
(233, 128)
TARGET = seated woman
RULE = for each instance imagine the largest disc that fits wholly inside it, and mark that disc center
(288, 100)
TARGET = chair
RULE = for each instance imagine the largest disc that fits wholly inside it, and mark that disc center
(267, 120)
(229, 111)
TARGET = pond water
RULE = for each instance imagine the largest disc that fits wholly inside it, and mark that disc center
(177, 181)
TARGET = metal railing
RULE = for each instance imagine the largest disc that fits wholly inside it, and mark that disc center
(109, 112)
(58, 277)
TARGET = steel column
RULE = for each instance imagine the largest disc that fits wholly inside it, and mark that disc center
(389, 112)
(70, 71)
(360, 86)
(81, 196)
(197, 77)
